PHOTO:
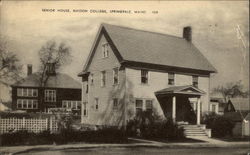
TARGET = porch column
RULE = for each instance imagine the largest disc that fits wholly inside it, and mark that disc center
(174, 108)
(198, 111)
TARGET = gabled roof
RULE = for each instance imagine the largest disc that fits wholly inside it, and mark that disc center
(60, 80)
(241, 104)
(132, 45)
(189, 89)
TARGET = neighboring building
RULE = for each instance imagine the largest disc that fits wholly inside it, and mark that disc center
(129, 71)
(238, 105)
(240, 122)
(61, 91)
(217, 105)
(246, 126)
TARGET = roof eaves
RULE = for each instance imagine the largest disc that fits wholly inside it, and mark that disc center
(145, 65)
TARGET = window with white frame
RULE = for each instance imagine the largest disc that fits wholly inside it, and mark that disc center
(213, 108)
(115, 76)
(96, 103)
(143, 105)
(149, 105)
(195, 81)
(19, 104)
(115, 103)
(74, 105)
(27, 92)
(171, 80)
(50, 95)
(144, 76)
(27, 104)
(138, 106)
(103, 78)
(105, 51)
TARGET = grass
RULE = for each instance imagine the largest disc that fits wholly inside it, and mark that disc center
(236, 139)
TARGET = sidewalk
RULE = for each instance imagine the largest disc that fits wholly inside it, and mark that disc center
(144, 143)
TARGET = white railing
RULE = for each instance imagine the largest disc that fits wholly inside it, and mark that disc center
(31, 125)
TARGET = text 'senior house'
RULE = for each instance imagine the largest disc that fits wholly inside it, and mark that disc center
(60, 91)
(129, 71)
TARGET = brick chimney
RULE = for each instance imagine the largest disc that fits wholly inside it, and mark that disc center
(29, 69)
(187, 33)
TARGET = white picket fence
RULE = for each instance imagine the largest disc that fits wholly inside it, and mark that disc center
(31, 125)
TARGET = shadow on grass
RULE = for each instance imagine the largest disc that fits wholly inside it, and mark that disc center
(183, 140)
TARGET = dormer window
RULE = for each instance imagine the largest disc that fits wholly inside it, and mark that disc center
(105, 50)
(170, 78)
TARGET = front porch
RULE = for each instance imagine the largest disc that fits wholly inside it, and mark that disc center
(181, 103)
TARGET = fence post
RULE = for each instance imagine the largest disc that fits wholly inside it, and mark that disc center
(23, 123)
(46, 123)
(51, 123)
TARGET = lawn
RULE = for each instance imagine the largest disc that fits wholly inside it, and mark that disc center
(236, 139)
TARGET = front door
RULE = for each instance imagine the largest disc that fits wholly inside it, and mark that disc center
(184, 110)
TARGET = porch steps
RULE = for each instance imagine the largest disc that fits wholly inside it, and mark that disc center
(194, 130)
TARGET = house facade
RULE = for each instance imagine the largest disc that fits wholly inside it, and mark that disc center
(60, 91)
(129, 71)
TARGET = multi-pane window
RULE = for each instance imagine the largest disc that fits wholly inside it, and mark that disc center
(27, 104)
(50, 95)
(75, 105)
(149, 105)
(24, 104)
(115, 103)
(27, 92)
(144, 105)
(138, 106)
(171, 78)
(96, 103)
(103, 78)
(91, 78)
(144, 76)
(213, 108)
(19, 104)
(195, 81)
(105, 50)
(115, 76)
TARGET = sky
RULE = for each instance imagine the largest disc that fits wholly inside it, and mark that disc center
(26, 28)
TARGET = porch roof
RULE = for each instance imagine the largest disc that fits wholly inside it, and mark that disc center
(186, 90)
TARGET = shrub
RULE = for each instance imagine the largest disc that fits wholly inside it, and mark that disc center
(103, 135)
(220, 125)
(152, 127)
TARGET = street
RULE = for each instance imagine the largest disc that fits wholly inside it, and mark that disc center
(148, 151)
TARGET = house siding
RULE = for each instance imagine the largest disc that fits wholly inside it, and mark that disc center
(156, 82)
(106, 114)
(128, 89)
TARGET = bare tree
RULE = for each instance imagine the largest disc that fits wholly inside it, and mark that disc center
(55, 55)
(10, 67)
(232, 89)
